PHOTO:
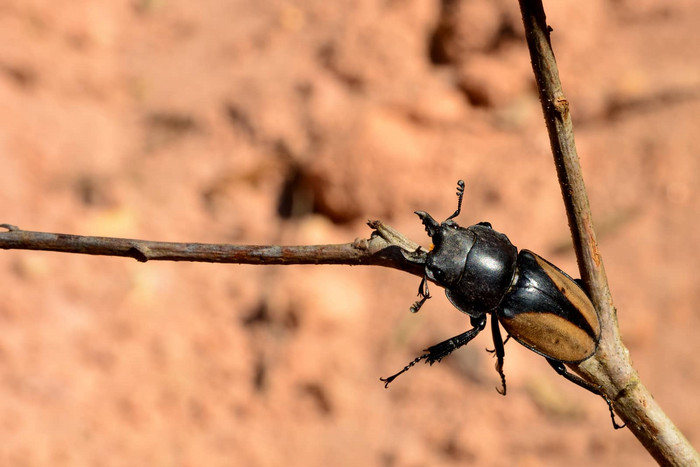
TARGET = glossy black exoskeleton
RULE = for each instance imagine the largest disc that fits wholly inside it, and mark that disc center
(537, 304)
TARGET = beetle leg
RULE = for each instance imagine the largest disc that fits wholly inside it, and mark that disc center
(424, 293)
(439, 351)
(561, 369)
(504, 343)
(498, 347)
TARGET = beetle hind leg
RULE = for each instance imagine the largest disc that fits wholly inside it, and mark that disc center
(439, 351)
(561, 369)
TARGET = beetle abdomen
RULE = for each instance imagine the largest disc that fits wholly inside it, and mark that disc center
(546, 311)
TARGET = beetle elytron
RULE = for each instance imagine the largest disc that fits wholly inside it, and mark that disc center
(537, 304)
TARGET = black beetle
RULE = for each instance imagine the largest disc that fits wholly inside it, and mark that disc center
(537, 304)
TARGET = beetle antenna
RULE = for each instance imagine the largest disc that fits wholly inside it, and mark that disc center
(460, 195)
(424, 293)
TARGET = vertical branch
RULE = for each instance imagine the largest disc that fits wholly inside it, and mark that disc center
(561, 136)
(610, 368)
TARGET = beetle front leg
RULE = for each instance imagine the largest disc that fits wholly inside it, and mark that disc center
(561, 369)
(423, 293)
(439, 351)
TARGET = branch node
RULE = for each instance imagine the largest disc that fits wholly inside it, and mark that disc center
(139, 253)
(361, 244)
(10, 227)
(626, 390)
(561, 106)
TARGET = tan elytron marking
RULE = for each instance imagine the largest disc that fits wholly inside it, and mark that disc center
(574, 294)
(550, 335)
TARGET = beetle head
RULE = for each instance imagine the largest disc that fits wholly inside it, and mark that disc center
(475, 264)
(448, 256)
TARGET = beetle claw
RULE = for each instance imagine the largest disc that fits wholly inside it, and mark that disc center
(391, 378)
(499, 369)
(612, 413)
(415, 308)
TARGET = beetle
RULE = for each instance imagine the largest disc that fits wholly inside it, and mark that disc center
(538, 304)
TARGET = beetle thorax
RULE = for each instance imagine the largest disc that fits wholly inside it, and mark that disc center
(475, 265)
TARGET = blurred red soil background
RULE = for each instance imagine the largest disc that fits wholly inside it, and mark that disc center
(278, 122)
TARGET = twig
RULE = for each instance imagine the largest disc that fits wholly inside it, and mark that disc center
(610, 367)
(386, 247)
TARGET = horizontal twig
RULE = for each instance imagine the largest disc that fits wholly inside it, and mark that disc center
(386, 247)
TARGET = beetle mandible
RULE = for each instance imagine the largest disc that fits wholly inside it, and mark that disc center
(538, 304)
